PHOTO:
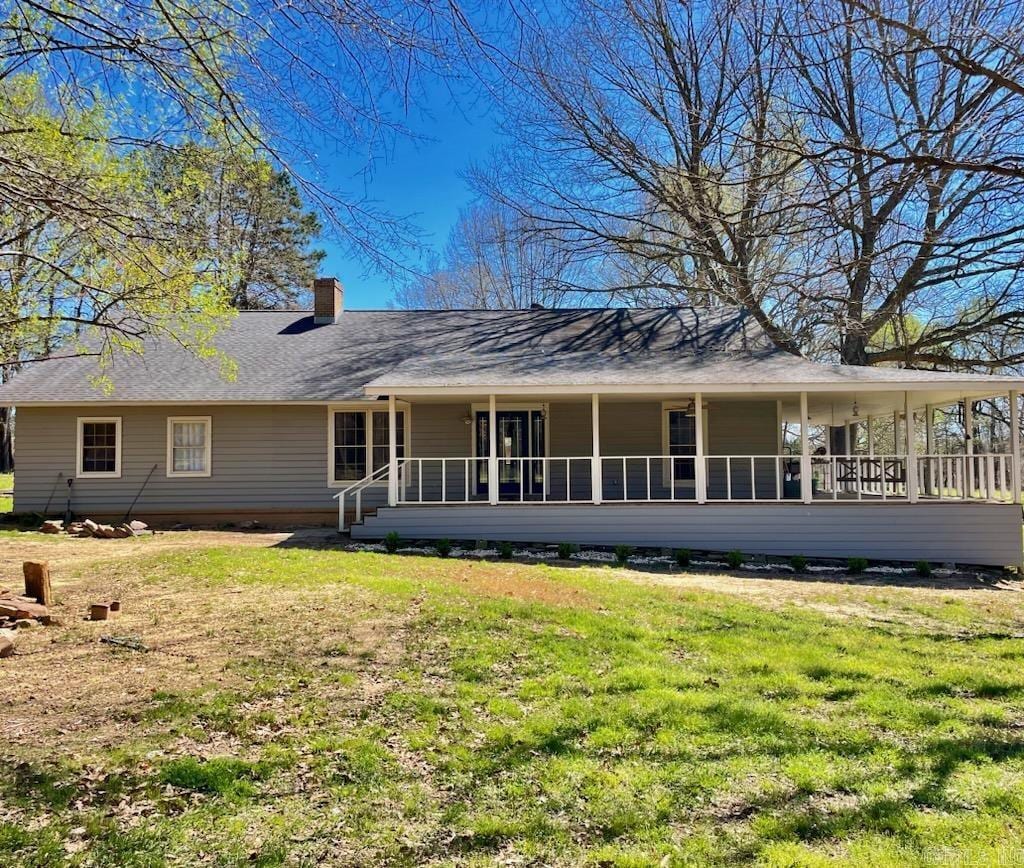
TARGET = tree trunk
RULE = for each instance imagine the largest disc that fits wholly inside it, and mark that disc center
(6, 440)
(854, 350)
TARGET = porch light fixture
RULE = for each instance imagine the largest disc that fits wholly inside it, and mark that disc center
(467, 419)
(856, 409)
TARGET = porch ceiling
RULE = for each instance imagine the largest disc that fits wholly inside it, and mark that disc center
(824, 406)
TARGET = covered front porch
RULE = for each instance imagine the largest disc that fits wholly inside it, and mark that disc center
(723, 446)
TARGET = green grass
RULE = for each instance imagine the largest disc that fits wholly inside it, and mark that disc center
(414, 710)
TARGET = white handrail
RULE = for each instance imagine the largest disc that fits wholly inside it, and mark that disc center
(357, 487)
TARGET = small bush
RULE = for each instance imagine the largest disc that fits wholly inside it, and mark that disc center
(482, 545)
(392, 541)
(735, 559)
(443, 547)
(683, 558)
(622, 553)
(567, 550)
(923, 568)
(798, 563)
(505, 550)
(856, 565)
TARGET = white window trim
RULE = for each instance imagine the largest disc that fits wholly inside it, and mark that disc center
(99, 474)
(368, 407)
(208, 447)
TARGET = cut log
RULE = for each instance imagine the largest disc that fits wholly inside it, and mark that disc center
(37, 581)
(15, 610)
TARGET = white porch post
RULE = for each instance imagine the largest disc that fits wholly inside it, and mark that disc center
(492, 449)
(700, 476)
(805, 451)
(969, 445)
(871, 436)
(392, 452)
(1015, 445)
(911, 450)
(595, 460)
(849, 438)
(929, 429)
(895, 432)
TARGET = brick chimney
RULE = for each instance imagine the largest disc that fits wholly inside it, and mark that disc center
(328, 300)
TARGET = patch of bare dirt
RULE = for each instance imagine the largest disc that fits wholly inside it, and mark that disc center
(518, 581)
(64, 685)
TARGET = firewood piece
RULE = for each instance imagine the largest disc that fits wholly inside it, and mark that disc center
(14, 609)
(99, 612)
(37, 581)
(6, 647)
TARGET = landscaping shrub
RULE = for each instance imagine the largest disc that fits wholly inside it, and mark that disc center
(392, 541)
(923, 568)
(481, 545)
(622, 553)
(683, 558)
(505, 550)
(856, 565)
(567, 550)
(798, 563)
(443, 547)
(735, 559)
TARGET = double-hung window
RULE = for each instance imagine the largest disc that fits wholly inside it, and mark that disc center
(188, 445)
(360, 443)
(99, 446)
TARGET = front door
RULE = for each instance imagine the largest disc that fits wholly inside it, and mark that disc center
(513, 428)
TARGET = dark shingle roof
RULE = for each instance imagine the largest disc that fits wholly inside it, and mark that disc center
(283, 356)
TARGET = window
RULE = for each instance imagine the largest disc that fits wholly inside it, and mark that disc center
(99, 446)
(360, 441)
(682, 440)
(188, 446)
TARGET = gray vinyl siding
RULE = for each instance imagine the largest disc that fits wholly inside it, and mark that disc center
(969, 533)
(262, 458)
(274, 457)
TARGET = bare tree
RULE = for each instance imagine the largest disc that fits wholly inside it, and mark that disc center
(824, 169)
(496, 258)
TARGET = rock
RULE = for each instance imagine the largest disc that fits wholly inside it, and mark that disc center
(104, 531)
(137, 525)
(89, 527)
(251, 524)
(54, 526)
(122, 531)
(99, 612)
(25, 623)
(6, 647)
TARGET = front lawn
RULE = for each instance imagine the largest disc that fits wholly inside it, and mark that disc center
(306, 706)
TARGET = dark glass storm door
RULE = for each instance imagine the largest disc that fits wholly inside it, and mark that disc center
(513, 429)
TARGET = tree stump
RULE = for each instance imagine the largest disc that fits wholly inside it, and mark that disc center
(37, 581)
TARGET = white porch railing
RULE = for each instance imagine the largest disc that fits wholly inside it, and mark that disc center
(378, 477)
(728, 478)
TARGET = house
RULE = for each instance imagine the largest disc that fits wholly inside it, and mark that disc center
(658, 427)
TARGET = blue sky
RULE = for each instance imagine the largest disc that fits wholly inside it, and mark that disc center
(417, 177)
